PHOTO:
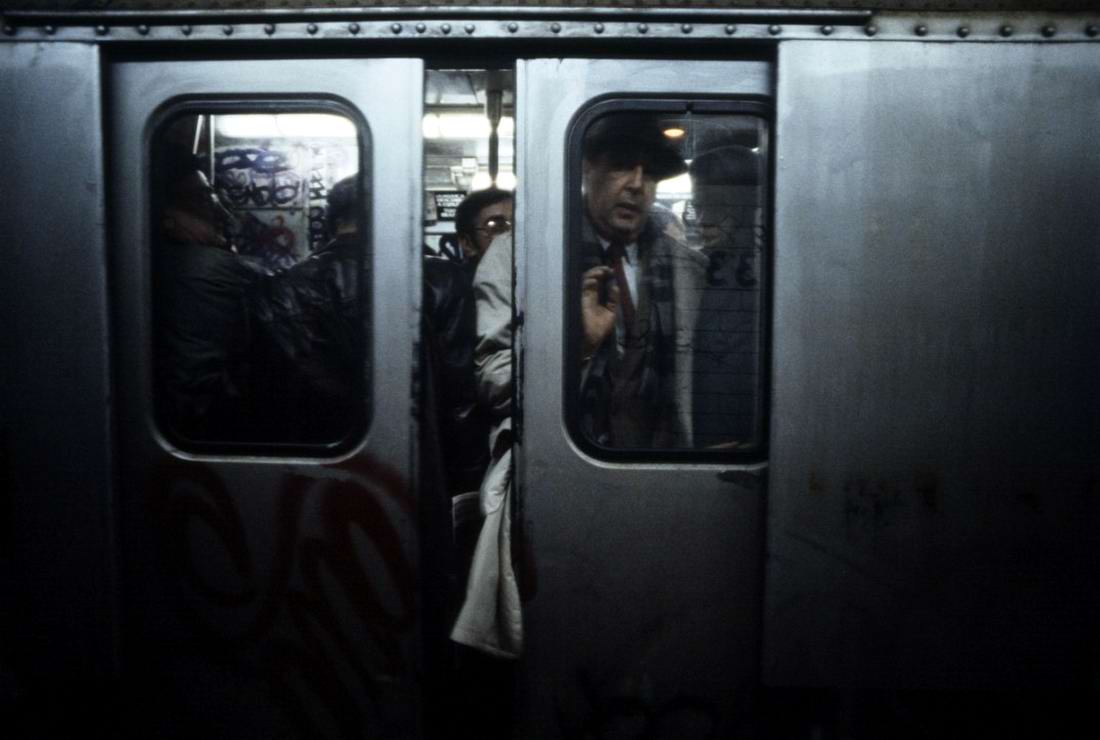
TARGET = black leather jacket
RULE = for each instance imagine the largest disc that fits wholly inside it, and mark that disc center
(450, 333)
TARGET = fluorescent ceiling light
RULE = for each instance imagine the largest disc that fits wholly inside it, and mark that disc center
(481, 181)
(679, 185)
(284, 125)
(463, 126)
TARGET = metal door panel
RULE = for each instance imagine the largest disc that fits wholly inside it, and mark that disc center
(55, 454)
(932, 505)
(267, 596)
(646, 576)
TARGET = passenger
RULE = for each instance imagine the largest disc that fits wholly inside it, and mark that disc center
(490, 619)
(639, 293)
(729, 212)
(450, 331)
(245, 355)
(637, 325)
(309, 359)
(202, 359)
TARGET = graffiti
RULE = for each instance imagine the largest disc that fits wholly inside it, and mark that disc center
(317, 227)
(257, 160)
(871, 505)
(639, 716)
(328, 625)
(254, 177)
(318, 194)
(744, 273)
(274, 243)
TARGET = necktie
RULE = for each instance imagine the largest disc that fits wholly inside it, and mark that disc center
(615, 253)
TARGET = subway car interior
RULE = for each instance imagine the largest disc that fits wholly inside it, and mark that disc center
(581, 371)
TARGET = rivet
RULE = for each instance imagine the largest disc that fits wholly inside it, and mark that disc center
(774, 30)
(445, 28)
(731, 29)
(311, 29)
(555, 27)
(963, 31)
(396, 28)
(185, 30)
(1093, 31)
(1049, 31)
(50, 30)
(143, 30)
(470, 28)
(870, 30)
(643, 28)
(921, 30)
(354, 28)
(227, 30)
(827, 30)
(1006, 30)
(686, 28)
(599, 28)
(101, 30)
(421, 28)
(269, 28)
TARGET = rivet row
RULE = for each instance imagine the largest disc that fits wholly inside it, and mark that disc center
(922, 30)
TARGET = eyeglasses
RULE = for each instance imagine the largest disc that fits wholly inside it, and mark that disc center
(496, 226)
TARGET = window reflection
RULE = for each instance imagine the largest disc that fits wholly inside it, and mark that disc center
(258, 262)
(670, 240)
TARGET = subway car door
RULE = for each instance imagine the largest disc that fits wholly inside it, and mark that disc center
(265, 272)
(641, 458)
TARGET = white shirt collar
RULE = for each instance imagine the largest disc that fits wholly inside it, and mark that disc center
(630, 251)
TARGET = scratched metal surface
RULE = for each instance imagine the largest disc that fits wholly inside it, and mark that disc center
(933, 501)
(54, 381)
(909, 5)
(265, 596)
(646, 576)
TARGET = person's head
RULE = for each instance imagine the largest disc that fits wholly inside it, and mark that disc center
(480, 217)
(191, 212)
(625, 156)
(340, 212)
(724, 181)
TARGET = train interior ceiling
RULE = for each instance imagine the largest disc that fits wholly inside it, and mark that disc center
(469, 143)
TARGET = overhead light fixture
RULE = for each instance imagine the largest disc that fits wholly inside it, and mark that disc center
(674, 132)
(675, 186)
(463, 126)
(284, 126)
(481, 181)
(429, 127)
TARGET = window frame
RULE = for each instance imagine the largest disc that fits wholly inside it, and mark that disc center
(363, 395)
(573, 220)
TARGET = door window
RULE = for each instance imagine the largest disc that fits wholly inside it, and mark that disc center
(668, 247)
(259, 271)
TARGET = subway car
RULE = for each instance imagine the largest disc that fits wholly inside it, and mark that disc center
(872, 509)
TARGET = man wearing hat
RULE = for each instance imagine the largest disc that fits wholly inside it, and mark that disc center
(728, 196)
(641, 286)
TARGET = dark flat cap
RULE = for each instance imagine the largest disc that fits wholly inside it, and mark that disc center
(631, 138)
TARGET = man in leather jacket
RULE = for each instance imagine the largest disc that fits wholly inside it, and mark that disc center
(450, 331)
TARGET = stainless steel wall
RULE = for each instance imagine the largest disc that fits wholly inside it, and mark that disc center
(55, 554)
(933, 500)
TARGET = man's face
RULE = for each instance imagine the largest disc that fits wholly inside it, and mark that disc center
(492, 220)
(618, 193)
